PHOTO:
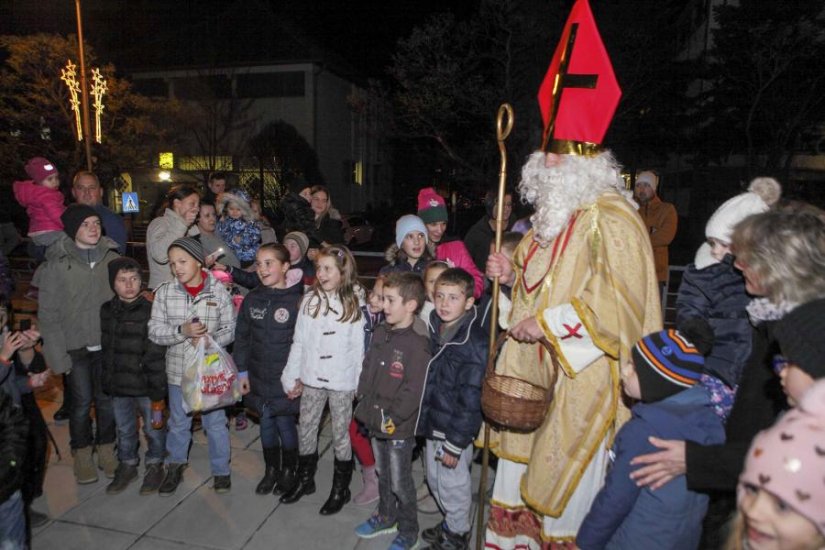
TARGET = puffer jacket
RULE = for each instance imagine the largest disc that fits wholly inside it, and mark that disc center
(43, 205)
(71, 293)
(392, 380)
(326, 353)
(173, 306)
(717, 294)
(133, 365)
(398, 263)
(627, 516)
(263, 336)
(456, 255)
(162, 232)
(242, 236)
(451, 403)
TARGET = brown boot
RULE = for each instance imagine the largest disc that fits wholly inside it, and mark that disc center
(106, 459)
(84, 467)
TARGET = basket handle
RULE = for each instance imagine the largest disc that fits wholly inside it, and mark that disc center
(493, 356)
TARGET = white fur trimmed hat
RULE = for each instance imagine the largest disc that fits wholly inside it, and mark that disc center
(761, 194)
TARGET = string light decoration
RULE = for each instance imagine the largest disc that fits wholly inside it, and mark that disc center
(99, 89)
(69, 76)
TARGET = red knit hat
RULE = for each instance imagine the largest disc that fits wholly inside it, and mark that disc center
(39, 168)
(431, 206)
(579, 94)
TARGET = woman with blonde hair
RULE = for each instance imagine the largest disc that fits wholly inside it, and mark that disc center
(781, 254)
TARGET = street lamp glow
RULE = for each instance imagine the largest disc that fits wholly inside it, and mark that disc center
(164, 175)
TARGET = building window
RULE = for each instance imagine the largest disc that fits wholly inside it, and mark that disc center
(282, 84)
(203, 87)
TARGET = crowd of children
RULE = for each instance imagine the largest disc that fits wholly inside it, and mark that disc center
(403, 364)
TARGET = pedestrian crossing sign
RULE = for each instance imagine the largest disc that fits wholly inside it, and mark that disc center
(130, 203)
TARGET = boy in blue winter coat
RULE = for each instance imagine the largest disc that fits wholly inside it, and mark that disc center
(677, 402)
(450, 414)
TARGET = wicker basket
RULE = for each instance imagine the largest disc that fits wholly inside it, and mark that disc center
(512, 403)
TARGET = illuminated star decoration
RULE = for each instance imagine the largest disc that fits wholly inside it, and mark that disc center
(69, 76)
(99, 89)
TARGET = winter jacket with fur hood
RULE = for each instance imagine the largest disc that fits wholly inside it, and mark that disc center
(242, 235)
(73, 284)
(397, 259)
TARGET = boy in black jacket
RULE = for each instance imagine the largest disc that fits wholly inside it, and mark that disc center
(450, 414)
(389, 393)
(134, 374)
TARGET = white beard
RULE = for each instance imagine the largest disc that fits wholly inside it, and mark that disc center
(557, 192)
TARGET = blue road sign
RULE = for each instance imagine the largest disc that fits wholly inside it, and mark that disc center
(131, 205)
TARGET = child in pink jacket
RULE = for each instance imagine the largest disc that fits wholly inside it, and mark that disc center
(433, 211)
(42, 200)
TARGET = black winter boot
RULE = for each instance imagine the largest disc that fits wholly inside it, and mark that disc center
(340, 494)
(307, 465)
(272, 458)
(289, 472)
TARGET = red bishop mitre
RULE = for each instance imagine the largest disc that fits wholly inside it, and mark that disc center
(579, 94)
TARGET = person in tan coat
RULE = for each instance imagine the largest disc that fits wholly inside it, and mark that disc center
(660, 219)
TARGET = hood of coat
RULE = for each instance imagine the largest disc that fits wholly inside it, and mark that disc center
(65, 246)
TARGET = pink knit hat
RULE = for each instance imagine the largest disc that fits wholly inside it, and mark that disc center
(788, 459)
(431, 206)
(39, 168)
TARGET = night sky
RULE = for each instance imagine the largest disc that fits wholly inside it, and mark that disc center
(127, 32)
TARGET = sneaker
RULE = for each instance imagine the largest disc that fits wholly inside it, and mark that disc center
(124, 475)
(241, 423)
(152, 479)
(402, 542)
(432, 534)
(221, 484)
(375, 526)
(174, 474)
(452, 541)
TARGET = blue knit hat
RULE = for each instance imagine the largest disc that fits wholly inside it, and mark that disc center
(666, 363)
(406, 224)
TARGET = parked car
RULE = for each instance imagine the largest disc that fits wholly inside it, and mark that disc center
(357, 230)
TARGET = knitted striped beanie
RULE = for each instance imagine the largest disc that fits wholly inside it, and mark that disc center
(666, 363)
